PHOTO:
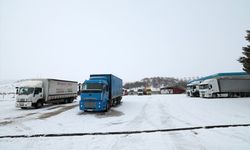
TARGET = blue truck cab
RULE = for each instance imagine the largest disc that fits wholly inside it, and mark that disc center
(101, 92)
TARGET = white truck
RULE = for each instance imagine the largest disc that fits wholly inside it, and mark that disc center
(227, 86)
(37, 92)
(193, 89)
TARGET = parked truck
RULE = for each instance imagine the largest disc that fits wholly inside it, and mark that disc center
(101, 92)
(193, 89)
(37, 92)
(147, 91)
(226, 86)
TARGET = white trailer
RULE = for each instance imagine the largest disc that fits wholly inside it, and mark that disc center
(228, 86)
(37, 92)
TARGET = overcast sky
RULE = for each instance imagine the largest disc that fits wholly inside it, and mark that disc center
(133, 39)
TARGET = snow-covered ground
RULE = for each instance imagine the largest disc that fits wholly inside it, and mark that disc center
(135, 113)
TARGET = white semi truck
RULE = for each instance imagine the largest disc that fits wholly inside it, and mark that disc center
(225, 86)
(193, 89)
(37, 92)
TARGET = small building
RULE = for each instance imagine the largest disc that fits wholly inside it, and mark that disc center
(172, 90)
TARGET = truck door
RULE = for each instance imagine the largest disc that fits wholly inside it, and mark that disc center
(38, 94)
(106, 92)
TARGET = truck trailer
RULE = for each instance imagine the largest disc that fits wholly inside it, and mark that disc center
(227, 86)
(101, 92)
(37, 92)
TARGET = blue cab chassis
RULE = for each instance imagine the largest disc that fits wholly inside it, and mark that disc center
(101, 92)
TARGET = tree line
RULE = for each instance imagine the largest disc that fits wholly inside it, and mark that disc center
(158, 82)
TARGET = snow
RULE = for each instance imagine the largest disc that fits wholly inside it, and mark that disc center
(135, 113)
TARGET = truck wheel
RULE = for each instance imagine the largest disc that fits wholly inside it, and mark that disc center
(230, 95)
(111, 102)
(214, 95)
(66, 101)
(107, 106)
(114, 102)
(39, 104)
(118, 102)
(71, 100)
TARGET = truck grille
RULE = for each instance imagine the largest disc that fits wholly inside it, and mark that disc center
(89, 104)
(89, 98)
(22, 100)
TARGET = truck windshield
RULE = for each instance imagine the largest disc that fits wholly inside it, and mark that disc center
(26, 90)
(204, 86)
(92, 86)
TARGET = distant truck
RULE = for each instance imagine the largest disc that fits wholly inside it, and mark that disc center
(172, 90)
(193, 89)
(226, 86)
(37, 92)
(131, 92)
(147, 91)
(101, 92)
(140, 92)
(124, 92)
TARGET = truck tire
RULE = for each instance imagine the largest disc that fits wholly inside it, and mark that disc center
(118, 101)
(108, 106)
(230, 95)
(71, 100)
(39, 104)
(115, 102)
(65, 101)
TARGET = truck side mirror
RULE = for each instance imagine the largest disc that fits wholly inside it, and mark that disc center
(17, 90)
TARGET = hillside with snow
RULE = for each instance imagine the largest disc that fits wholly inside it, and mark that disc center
(7, 86)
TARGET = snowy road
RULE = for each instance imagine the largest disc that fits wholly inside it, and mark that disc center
(136, 113)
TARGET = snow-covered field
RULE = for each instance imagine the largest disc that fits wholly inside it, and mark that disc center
(135, 113)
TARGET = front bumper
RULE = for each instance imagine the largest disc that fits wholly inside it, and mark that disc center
(23, 104)
(92, 105)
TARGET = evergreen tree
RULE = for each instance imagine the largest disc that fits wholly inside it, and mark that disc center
(245, 60)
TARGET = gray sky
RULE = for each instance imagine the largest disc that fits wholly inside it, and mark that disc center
(133, 39)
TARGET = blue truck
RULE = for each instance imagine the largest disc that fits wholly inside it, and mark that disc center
(101, 92)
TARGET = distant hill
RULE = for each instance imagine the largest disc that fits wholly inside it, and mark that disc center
(157, 82)
(7, 86)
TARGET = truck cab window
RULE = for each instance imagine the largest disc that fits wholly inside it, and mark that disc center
(38, 90)
(93, 86)
(25, 90)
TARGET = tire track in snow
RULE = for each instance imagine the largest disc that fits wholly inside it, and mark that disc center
(168, 120)
(58, 111)
(141, 118)
(125, 132)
